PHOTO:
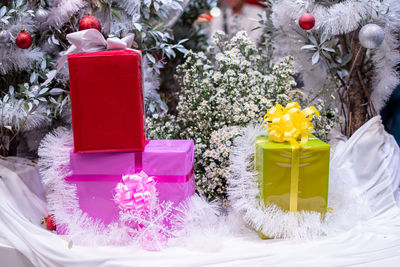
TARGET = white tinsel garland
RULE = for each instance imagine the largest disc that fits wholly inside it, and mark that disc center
(386, 77)
(340, 18)
(15, 115)
(132, 8)
(62, 12)
(16, 59)
(244, 196)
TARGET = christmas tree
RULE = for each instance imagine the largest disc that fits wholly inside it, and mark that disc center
(347, 47)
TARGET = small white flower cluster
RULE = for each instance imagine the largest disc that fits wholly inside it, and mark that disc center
(161, 126)
(230, 86)
(215, 160)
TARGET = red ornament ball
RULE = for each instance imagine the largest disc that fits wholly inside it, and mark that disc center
(89, 22)
(24, 40)
(49, 222)
(307, 21)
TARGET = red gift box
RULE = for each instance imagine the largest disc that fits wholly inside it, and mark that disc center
(107, 101)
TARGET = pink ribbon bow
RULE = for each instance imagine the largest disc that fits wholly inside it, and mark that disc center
(135, 191)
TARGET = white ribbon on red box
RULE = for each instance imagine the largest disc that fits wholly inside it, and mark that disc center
(90, 40)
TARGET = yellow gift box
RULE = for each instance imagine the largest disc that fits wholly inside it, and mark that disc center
(293, 176)
(279, 184)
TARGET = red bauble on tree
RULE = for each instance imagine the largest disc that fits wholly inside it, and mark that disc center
(89, 22)
(307, 21)
(49, 223)
(24, 40)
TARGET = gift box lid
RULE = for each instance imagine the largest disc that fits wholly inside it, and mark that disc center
(160, 157)
(168, 157)
(105, 53)
(313, 142)
(116, 163)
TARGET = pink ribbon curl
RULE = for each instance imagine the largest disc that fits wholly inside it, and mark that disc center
(135, 191)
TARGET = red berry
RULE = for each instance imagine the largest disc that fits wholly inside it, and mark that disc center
(307, 21)
(89, 22)
(49, 223)
(24, 40)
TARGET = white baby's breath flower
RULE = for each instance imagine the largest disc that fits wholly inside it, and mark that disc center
(219, 57)
(217, 76)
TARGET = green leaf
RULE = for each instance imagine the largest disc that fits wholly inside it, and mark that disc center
(329, 49)
(151, 58)
(56, 91)
(170, 53)
(138, 26)
(163, 13)
(19, 3)
(156, 6)
(43, 65)
(324, 37)
(346, 59)
(3, 11)
(11, 90)
(313, 40)
(183, 41)
(315, 58)
(174, 5)
(182, 50)
(70, 244)
(32, 78)
(52, 100)
(310, 47)
(99, 5)
(43, 91)
(326, 55)
(54, 39)
(116, 14)
(149, 25)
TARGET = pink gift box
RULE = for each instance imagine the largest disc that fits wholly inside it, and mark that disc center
(96, 175)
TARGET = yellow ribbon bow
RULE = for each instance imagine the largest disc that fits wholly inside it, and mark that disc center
(290, 123)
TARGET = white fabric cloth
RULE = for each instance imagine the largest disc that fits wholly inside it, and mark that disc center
(369, 160)
(21, 181)
(10, 256)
